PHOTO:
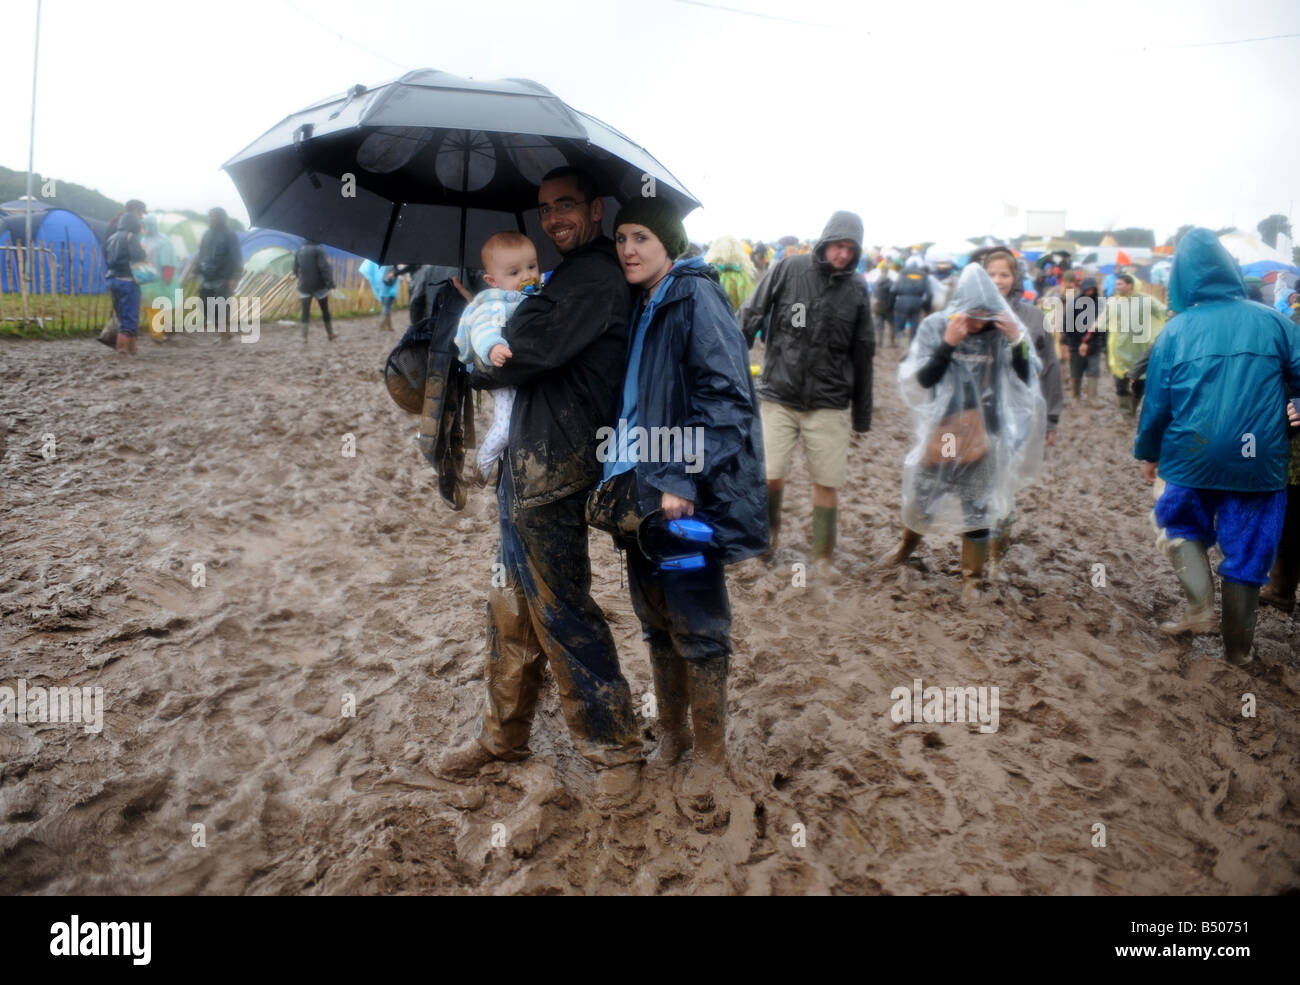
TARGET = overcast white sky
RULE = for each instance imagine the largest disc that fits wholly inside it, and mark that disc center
(923, 118)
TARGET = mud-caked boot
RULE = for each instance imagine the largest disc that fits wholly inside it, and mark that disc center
(672, 701)
(1240, 607)
(1075, 385)
(974, 554)
(1090, 384)
(617, 788)
(701, 795)
(911, 539)
(1280, 590)
(462, 762)
(1192, 566)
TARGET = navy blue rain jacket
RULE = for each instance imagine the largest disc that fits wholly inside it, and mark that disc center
(694, 373)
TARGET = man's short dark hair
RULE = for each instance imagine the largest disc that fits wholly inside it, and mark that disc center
(1127, 278)
(586, 184)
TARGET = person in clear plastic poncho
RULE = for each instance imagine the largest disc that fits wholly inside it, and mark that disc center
(971, 380)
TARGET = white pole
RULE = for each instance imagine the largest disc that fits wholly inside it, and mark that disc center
(31, 147)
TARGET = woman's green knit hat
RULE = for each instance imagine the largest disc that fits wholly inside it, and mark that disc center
(660, 218)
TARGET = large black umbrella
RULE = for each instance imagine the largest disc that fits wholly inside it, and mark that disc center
(438, 164)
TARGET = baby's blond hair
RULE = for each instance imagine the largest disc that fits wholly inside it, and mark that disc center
(506, 240)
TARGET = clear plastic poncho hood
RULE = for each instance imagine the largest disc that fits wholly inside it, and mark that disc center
(978, 430)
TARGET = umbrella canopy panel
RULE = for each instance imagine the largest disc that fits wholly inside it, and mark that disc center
(426, 154)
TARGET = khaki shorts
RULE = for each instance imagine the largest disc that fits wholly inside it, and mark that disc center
(825, 441)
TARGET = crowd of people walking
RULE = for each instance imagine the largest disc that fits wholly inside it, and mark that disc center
(643, 333)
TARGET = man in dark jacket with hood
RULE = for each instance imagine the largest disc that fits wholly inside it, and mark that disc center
(568, 349)
(1214, 428)
(219, 266)
(819, 346)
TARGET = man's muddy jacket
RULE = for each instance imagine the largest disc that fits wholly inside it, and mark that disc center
(569, 347)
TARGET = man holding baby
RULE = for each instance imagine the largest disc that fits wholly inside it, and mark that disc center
(563, 357)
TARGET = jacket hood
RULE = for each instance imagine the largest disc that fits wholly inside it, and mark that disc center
(694, 267)
(1203, 271)
(1089, 283)
(842, 225)
(976, 292)
(151, 224)
(686, 268)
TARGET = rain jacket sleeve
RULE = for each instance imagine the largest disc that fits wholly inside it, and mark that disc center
(754, 312)
(1156, 413)
(547, 331)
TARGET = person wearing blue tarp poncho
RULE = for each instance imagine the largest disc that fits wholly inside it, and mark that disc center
(687, 377)
(1214, 427)
(383, 283)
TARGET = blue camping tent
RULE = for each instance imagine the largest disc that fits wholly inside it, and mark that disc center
(252, 240)
(74, 242)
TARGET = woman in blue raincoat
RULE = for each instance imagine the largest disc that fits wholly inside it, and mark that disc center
(383, 282)
(688, 378)
(971, 379)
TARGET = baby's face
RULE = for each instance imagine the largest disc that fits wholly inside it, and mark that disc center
(511, 269)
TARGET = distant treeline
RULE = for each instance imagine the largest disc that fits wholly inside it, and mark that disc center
(86, 202)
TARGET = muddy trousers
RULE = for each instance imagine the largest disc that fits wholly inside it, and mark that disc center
(688, 612)
(685, 616)
(324, 312)
(540, 611)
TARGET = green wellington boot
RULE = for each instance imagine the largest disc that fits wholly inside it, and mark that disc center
(672, 701)
(1192, 566)
(702, 790)
(1240, 607)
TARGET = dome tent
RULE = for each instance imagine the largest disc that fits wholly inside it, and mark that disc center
(184, 231)
(71, 239)
(19, 206)
(274, 260)
(253, 240)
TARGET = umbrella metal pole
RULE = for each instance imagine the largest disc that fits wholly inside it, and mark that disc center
(464, 208)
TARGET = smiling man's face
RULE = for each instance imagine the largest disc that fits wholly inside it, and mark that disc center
(567, 218)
